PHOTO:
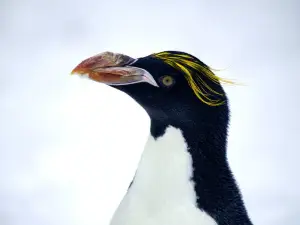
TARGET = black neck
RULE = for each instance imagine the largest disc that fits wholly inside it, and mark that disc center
(215, 187)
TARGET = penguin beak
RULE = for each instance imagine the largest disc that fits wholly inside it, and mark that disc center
(113, 69)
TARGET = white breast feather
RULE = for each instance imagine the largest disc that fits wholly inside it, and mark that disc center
(162, 192)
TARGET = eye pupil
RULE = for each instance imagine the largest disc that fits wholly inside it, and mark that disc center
(167, 80)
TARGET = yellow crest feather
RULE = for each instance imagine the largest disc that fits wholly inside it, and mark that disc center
(194, 71)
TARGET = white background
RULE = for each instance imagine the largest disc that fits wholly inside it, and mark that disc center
(69, 147)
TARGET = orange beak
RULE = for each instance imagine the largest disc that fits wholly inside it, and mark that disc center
(112, 69)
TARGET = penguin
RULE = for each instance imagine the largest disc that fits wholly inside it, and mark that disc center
(183, 176)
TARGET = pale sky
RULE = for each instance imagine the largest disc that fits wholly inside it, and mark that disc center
(69, 147)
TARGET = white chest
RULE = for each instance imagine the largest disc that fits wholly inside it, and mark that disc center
(162, 192)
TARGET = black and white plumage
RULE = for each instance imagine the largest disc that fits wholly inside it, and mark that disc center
(183, 177)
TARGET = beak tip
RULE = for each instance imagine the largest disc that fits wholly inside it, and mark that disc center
(77, 71)
(73, 72)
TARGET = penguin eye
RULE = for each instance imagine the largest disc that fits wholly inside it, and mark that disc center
(167, 81)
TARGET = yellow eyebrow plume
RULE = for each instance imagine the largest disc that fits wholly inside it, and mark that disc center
(194, 70)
